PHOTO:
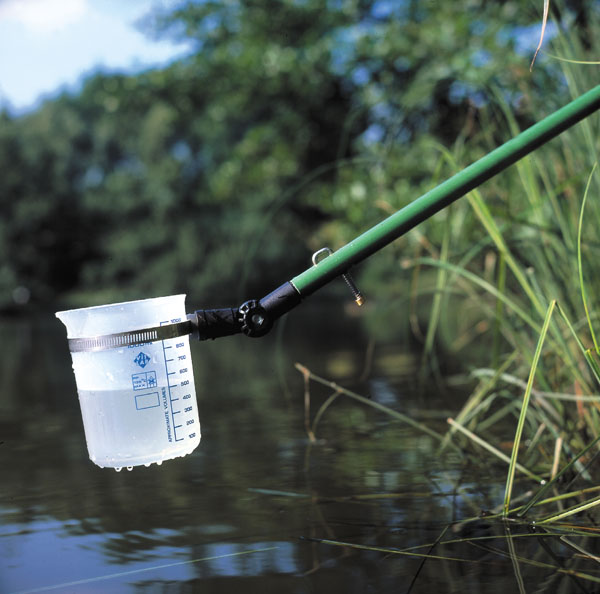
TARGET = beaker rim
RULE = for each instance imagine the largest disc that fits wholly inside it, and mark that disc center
(119, 304)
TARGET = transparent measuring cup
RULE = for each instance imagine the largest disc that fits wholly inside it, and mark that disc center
(138, 402)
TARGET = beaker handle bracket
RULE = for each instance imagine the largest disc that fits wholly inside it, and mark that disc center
(253, 318)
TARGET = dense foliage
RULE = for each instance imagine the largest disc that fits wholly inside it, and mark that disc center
(292, 124)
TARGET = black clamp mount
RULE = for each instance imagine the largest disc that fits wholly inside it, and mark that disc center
(253, 318)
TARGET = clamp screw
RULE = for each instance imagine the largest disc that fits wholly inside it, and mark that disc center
(253, 319)
(358, 297)
(353, 289)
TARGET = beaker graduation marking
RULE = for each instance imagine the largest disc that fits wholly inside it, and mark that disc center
(178, 386)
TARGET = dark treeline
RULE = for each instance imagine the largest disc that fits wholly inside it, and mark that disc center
(292, 125)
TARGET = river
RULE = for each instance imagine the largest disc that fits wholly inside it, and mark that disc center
(259, 506)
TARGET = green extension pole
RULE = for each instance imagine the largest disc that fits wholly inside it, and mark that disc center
(447, 192)
(255, 318)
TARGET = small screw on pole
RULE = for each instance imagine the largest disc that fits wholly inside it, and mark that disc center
(358, 297)
(353, 289)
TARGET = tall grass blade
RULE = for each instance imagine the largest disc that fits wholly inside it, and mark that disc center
(570, 511)
(490, 448)
(130, 572)
(580, 549)
(541, 492)
(381, 407)
(579, 263)
(515, 451)
(484, 215)
(515, 381)
(587, 355)
(473, 402)
(322, 410)
(278, 493)
(593, 364)
(387, 550)
(544, 23)
(309, 432)
(498, 319)
(491, 289)
(422, 564)
(513, 557)
(507, 409)
(497, 513)
(436, 307)
(557, 451)
(569, 61)
(542, 565)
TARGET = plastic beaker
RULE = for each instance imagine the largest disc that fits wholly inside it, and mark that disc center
(138, 402)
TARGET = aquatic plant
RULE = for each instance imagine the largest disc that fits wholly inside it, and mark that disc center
(511, 283)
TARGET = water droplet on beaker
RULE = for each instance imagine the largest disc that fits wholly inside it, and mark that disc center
(130, 468)
(159, 462)
(118, 468)
(147, 464)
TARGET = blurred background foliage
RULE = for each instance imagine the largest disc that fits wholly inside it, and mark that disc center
(293, 125)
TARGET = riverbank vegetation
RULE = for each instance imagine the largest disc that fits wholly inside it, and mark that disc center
(291, 126)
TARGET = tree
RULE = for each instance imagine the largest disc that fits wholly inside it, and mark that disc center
(293, 124)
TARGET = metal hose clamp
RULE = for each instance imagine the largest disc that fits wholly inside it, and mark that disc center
(130, 338)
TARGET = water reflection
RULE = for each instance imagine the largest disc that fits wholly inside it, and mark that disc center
(249, 510)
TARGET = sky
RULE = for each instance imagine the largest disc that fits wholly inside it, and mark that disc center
(47, 45)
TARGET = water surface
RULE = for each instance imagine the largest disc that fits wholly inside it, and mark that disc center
(258, 507)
